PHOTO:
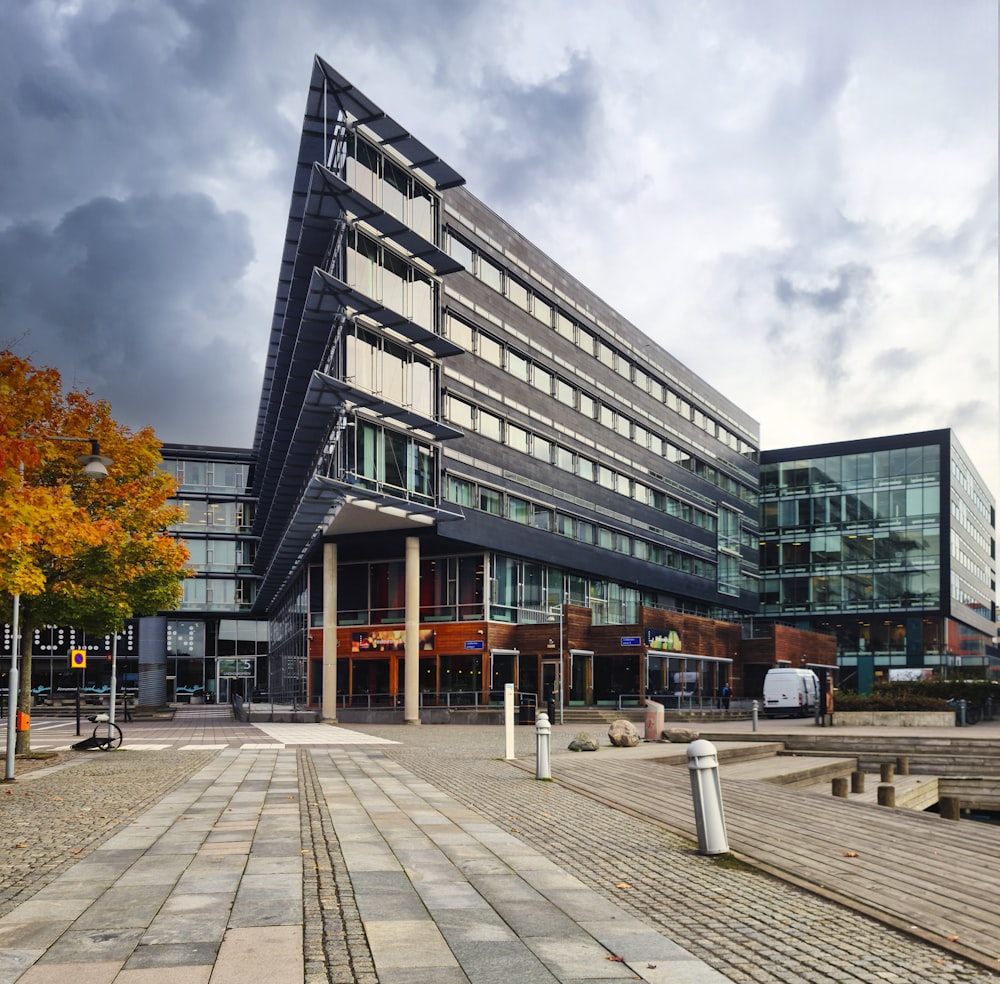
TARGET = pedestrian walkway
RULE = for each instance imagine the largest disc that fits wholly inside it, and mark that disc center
(404, 855)
(451, 898)
(208, 887)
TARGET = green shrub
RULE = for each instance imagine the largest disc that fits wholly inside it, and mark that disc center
(920, 695)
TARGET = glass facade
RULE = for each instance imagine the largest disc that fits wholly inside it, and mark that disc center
(219, 515)
(888, 544)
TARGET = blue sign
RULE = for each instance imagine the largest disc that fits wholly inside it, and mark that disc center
(474, 644)
(631, 641)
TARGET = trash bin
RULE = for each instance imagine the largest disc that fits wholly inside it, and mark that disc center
(526, 711)
(654, 721)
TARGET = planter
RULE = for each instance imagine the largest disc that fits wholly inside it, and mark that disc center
(894, 719)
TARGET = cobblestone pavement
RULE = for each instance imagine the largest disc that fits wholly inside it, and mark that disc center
(53, 815)
(749, 926)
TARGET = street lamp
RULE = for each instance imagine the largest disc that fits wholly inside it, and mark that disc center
(553, 609)
(94, 466)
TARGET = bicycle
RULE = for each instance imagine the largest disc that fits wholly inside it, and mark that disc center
(107, 735)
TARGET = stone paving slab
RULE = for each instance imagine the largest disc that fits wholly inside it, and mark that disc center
(439, 889)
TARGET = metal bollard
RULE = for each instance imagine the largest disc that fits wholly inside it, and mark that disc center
(703, 764)
(543, 736)
(753, 715)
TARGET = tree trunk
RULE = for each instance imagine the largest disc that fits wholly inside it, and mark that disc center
(23, 743)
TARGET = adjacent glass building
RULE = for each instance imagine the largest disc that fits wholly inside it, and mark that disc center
(890, 545)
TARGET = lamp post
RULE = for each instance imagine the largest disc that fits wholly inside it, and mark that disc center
(562, 697)
(94, 466)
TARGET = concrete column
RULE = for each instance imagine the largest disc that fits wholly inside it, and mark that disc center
(330, 632)
(411, 640)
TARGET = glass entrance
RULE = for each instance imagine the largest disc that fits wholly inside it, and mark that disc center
(581, 682)
(552, 696)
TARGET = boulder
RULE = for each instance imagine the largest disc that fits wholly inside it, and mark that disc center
(680, 735)
(623, 734)
(583, 742)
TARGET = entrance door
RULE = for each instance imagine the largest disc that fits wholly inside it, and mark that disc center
(552, 686)
(581, 684)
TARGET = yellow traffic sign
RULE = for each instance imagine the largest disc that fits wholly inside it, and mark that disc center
(78, 659)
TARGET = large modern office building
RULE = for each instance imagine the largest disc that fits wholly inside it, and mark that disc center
(888, 544)
(470, 470)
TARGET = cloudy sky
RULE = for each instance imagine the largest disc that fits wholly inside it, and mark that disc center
(796, 199)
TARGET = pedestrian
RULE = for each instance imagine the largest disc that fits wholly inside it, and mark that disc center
(726, 696)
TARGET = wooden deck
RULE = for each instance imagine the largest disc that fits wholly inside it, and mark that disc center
(933, 878)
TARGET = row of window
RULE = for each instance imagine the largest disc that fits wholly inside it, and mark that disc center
(210, 554)
(230, 637)
(218, 593)
(586, 404)
(970, 563)
(911, 548)
(497, 503)
(204, 476)
(386, 184)
(474, 418)
(381, 366)
(383, 275)
(849, 471)
(972, 596)
(531, 301)
(963, 478)
(385, 461)
(874, 590)
(960, 513)
(915, 505)
(219, 517)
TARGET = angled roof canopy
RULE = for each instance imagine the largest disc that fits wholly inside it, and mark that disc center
(333, 85)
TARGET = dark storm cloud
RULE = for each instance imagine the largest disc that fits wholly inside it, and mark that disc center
(134, 297)
(850, 283)
(537, 134)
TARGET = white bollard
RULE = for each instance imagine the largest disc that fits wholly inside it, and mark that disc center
(703, 764)
(753, 715)
(543, 735)
(508, 720)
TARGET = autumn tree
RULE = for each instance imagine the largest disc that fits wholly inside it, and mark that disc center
(77, 551)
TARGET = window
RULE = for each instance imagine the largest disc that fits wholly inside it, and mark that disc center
(519, 510)
(564, 458)
(490, 274)
(541, 448)
(517, 293)
(542, 311)
(564, 392)
(489, 350)
(490, 426)
(517, 438)
(588, 406)
(541, 379)
(565, 327)
(460, 333)
(460, 413)
(489, 501)
(542, 519)
(459, 491)
(517, 365)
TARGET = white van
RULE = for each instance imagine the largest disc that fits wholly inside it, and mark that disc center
(790, 692)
